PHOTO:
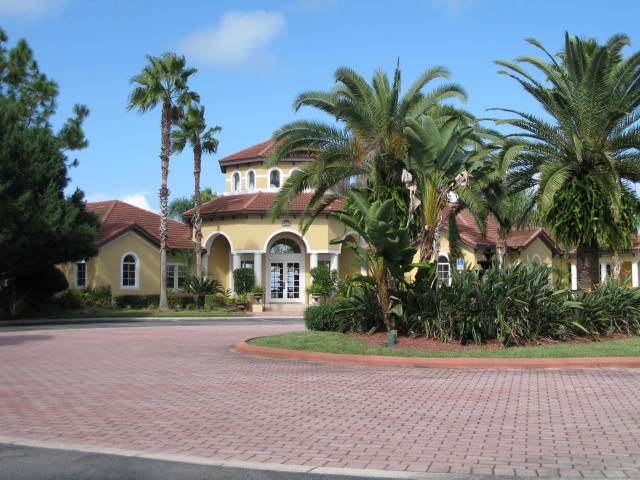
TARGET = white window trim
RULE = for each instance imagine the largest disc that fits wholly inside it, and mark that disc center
(233, 183)
(175, 277)
(246, 180)
(137, 284)
(280, 173)
(75, 275)
(448, 263)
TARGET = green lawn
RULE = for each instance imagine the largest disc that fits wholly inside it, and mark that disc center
(332, 342)
(129, 313)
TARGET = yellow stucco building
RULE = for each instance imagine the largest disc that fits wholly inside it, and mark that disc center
(238, 233)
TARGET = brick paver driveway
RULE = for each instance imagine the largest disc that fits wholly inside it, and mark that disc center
(181, 390)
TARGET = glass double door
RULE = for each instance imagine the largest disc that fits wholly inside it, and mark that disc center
(285, 280)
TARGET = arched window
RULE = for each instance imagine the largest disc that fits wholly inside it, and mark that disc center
(285, 245)
(444, 276)
(129, 271)
(236, 182)
(274, 179)
(251, 180)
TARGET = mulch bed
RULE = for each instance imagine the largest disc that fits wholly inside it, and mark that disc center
(422, 343)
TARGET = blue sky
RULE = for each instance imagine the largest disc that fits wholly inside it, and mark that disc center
(254, 57)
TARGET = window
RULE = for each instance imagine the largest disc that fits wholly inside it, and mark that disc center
(444, 277)
(236, 181)
(324, 263)
(129, 271)
(274, 179)
(176, 276)
(285, 245)
(246, 264)
(251, 180)
(80, 277)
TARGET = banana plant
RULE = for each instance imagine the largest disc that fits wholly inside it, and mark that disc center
(384, 250)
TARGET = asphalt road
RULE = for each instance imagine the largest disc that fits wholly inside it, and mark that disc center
(18, 326)
(29, 463)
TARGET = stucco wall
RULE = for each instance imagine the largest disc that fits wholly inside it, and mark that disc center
(105, 268)
(262, 175)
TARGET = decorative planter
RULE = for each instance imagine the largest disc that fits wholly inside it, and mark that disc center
(257, 298)
(316, 298)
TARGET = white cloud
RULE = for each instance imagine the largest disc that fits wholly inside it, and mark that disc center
(138, 199)
(29, 8)
(240, 39)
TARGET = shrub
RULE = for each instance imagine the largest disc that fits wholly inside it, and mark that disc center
(321, 317)
(137, 301)
(70, 300)
(42, 284)
(243, 279)
(203, 286)
(608, 309)
(181, 300)
(98, 297)
(217, 300)
(324, 280)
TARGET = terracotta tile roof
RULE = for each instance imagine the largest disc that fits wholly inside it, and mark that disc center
(117, 218)
(261, 150)
(255, 153)
(256, 203)
(518, 238)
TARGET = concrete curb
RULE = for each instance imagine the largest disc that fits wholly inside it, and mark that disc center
(415, 362)
(274, 467)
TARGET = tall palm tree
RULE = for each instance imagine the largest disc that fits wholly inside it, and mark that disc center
(191, 128)
(582, 159)
(441, 160)
(367, 146)
(163, 81)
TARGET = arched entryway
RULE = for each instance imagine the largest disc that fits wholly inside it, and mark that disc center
(218, 264)
(286, 265)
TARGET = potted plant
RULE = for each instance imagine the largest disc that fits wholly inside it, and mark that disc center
(242, 301)
(324, 281)
(258, 294)
(317, 293)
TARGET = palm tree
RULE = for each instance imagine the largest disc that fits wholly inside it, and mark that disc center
(368, 145)
(163, 81)
(582, 160)
(443, 160)
(178, 206)
(191, 128)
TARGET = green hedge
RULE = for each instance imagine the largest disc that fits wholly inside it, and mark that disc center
(243, 279)
(136, 301)
(322, 317)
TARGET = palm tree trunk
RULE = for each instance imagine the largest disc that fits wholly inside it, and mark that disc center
(587, 262)
(197, 220)
(501, 248)
(165, 152)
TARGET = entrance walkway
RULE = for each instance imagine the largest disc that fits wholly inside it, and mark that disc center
(181, 390)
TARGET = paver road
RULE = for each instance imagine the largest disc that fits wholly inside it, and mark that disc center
(183, 390)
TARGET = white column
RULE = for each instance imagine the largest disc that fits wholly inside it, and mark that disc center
(235, 264)
(574, 276)
(334, 261)
(313, 260)
(257, 269)
(603, 272)
(634, 273)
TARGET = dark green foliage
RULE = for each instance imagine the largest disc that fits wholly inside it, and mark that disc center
(358, 310)
(324, 280)
(582, 214)
(608, 309)
(243, 279)
(136, 301)
(322, 317)
(203, 286)
(214, 301)
(40, 226)
(181, 300)
(74, 299)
